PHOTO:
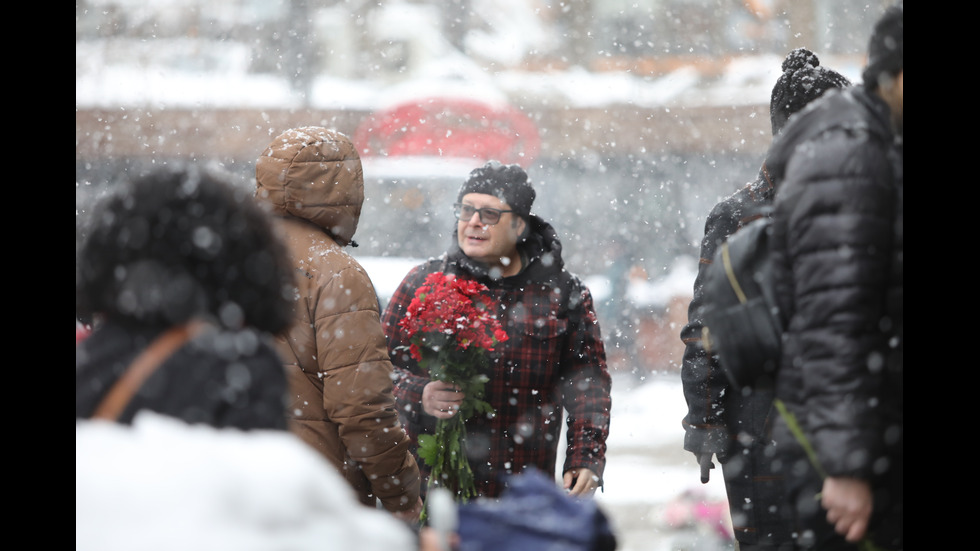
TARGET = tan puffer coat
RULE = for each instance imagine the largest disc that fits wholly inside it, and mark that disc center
(335, 353)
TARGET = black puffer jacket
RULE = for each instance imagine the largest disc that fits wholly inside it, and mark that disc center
(838, 245)
(734, 425)
(708, 427)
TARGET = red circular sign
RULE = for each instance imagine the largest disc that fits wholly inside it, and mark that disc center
(450, 127)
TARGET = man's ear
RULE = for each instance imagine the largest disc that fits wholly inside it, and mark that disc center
(521, 226)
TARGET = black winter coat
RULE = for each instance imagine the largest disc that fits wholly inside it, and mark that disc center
(712, 421)
(554, 360)
(838, 245)
(732, 424)
(219, 378)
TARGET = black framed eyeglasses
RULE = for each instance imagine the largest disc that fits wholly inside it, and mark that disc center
(488, 216)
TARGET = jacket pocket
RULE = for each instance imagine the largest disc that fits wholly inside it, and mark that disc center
(545, 329)
(535, 356)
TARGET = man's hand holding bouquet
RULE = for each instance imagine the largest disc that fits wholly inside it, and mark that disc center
(451, 325)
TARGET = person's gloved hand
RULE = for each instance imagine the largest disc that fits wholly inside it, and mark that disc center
(704, 461)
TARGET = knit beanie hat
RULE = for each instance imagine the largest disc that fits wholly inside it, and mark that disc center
(509, 183)
(803, 80)
(885, 49)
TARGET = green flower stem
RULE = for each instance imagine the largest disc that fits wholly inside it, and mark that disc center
(451, 328)
(794, 427)
(445, 452)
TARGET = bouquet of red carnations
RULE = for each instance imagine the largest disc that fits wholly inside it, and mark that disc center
(451, 326)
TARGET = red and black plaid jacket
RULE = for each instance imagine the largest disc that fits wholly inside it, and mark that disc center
(554, 359)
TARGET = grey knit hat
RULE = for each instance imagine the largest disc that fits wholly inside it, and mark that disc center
(886, 52)
(509, 183)
(803, 80)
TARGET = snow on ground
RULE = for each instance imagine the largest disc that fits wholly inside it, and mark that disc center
(646, 444)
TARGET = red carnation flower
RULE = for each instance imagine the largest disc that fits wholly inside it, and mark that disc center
(451, 324)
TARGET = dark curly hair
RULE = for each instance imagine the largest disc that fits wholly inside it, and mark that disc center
(179, 242)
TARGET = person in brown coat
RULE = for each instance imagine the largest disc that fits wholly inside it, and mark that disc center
(335, 352)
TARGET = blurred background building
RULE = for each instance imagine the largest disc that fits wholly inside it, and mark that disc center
(633, 117)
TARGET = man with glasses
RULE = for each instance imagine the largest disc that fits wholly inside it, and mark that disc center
(553, 360)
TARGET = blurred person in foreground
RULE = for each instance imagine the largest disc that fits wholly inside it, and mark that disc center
(244, 491)
(336, 358)
(837, 245)
(733, 424)
(553, 359)
(177, 248)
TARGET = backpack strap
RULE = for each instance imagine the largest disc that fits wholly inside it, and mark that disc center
(144, 365)
(730, 272)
